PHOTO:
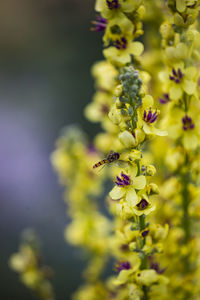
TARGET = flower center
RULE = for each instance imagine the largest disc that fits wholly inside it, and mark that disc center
(104, 109)
(187, 123)
(99, 24)
(150, 117)
(142, 204)
(176, 75)
(165, 99)
(113, 4)
(144, 233)
(121, 43)
(123, 181)
(122, 265)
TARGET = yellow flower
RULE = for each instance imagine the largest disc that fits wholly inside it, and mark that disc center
(126, 186)
(127, 268)
(179, 80)
(147, 116)
(119, 26)
(119, 54)
(109, 8)
(104, 74)
(143, 206)
(184, 126)
(97, 110)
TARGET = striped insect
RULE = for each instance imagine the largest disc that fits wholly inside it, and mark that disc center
(113, 156)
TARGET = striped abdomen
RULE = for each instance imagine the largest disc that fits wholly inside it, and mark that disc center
(100, 163)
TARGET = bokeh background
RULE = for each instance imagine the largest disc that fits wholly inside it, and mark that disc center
(46, 52)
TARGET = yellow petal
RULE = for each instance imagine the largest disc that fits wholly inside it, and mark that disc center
(117, 193)
(175, 92)
(99, 5)
(190, 140)
(139, 182)
(189, 86)
(133, 170)
(131, 197)
(160, 132)
(136, 48)
(147, 102)
(147, 277)
(190, 72)
(123, 277)
(180, 5)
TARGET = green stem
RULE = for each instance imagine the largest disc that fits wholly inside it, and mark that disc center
(185, 204)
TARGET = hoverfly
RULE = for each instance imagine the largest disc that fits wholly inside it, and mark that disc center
(113, 156)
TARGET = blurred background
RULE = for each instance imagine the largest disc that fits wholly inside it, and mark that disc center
(46, 54)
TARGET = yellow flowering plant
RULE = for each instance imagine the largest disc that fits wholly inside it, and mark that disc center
(151, 236)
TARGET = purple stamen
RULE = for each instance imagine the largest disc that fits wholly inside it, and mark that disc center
(123, 265)
(99, 25)
(126, 177)
(165, 99)
(177, 75)
(112, 4)
(144, 233)
(120, 44)
(142, 204)
(155, 266)
(187, 123)
(150, 118)
(174, 72)
(124, 181)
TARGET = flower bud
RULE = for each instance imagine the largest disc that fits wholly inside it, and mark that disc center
(150, 170)
(127, 139)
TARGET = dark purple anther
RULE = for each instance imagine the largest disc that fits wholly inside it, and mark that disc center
(124, 247)
(176, 75)
(121, 43)
(99, 24)
(123, 265)
(112, 4)
(150, 117)
(165, 99)
(123, 181)
(104, 109)
(187, 123)
(144, 233)
(142, 204)
(155, 266)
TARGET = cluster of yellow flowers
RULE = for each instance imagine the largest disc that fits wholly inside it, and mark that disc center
(181, 110)
(29, 264)
(150, 237)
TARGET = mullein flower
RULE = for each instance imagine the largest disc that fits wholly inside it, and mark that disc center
(143, 206)
(147, 117)
(184, 126)
(120, 53)
(180, 80)
(117, 28)
(127, 184)
(109, 8)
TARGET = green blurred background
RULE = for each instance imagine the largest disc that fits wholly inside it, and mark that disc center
(45, 58)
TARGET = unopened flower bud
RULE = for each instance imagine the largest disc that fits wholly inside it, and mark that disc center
(127, 139)
(150, 170)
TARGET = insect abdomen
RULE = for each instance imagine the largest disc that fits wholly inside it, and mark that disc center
(100, 163)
